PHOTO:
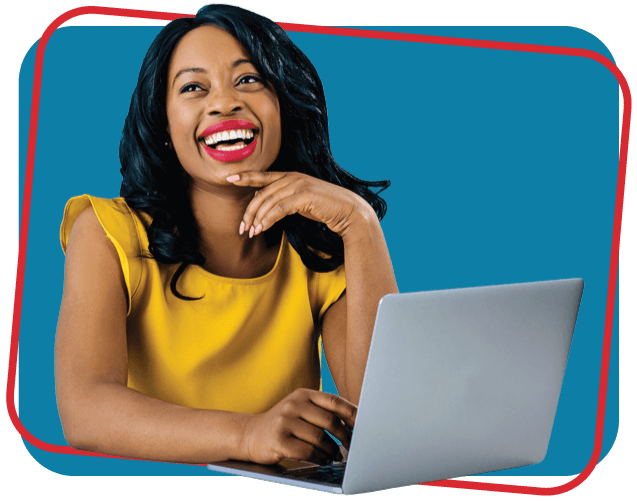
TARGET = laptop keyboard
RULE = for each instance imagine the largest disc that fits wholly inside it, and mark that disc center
(331, 474)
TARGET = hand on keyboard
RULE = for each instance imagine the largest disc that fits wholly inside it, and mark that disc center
(296, 427)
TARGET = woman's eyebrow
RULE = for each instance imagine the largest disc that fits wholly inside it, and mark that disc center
(241, 61)
(187, 70)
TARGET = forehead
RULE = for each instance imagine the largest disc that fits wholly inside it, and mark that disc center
(207, 47)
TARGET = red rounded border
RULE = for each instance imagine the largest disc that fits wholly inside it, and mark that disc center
(351, 32)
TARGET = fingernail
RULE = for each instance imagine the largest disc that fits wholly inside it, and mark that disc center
(251, 231)
(258, 229)
(242, 228)
(232, 179)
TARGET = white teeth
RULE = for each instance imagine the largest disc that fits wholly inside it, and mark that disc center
(230, 148)
(213, 139)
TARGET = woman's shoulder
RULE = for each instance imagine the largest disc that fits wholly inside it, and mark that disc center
(119, 221)
(325, 287)
(124, 227)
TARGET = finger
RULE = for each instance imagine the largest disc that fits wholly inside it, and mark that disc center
(317, 437)
(268, 195)
(280, 204)
(322, 419)
(344, 409)
(253, 178)
(326, 420)
(300, 450)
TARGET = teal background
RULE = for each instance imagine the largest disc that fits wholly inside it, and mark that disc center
(503, 167)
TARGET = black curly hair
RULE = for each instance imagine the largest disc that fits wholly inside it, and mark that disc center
(154, 181)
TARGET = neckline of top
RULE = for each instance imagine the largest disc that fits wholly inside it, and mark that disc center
(245, 281)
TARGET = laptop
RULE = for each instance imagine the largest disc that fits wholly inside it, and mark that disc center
(457, 382)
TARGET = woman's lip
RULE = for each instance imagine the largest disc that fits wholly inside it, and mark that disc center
(228, 125)
(232, 155)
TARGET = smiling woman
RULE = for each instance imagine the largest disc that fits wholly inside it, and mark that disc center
(206, 85)
(194, 305)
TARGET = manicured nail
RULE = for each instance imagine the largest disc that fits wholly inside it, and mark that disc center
(242, 228)
(251, 231)
(232, 179)
(258, 229)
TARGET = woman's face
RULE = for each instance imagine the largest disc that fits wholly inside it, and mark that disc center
(223, 118)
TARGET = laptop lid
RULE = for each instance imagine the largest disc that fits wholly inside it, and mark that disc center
(460, 382)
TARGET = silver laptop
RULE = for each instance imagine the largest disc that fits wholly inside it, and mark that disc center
(457, 382)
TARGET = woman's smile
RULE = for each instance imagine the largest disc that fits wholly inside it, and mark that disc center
(230, 141)
(223, 117)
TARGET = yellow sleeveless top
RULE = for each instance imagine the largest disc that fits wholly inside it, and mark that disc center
(242, 348)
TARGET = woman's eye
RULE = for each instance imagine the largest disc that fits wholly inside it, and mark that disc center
(190, 88)
(248, 79)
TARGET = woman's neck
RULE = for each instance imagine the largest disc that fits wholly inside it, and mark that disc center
(218, 216)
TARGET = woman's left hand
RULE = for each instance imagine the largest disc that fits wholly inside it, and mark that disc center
(285, 193)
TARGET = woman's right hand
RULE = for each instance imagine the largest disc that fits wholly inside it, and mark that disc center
(295, 429)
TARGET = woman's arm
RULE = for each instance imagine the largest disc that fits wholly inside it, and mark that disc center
(100, 413)
(348, 324)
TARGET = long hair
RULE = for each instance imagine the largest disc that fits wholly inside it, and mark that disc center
(155, 182)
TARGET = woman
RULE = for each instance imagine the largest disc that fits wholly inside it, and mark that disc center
(191, 310)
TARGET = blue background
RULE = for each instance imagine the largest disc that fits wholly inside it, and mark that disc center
(503, 167)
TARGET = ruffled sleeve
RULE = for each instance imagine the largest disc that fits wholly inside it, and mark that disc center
(122, 227)
(329, 288)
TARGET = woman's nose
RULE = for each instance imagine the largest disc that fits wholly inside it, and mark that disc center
(223, 101)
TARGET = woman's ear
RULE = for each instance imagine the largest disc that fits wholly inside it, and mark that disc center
(168, 143)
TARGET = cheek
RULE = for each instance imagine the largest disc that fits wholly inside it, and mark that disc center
(181, 133)
(177, 124)
(274, 139)
(179, 121)
(274, 120)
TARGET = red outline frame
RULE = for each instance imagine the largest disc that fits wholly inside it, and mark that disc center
(614, 262)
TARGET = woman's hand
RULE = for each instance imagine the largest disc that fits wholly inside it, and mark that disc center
(285, 193)
(295, 429)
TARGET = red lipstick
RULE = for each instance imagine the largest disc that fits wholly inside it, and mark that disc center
(230, 155)
(228, 125)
